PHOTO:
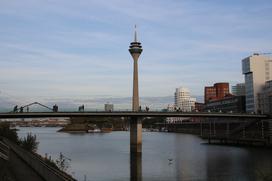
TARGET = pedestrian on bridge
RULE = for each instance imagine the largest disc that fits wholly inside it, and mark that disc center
(15, 109)
(81, 108)
(55, 108)
(21, 109)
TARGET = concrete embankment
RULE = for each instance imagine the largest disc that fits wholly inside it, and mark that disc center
(21, 165)
(253, 132)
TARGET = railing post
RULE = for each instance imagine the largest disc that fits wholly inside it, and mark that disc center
(228, 129)
(210, 131)
(214, 129)
(262, 129)
(244, 132)
(201, 128)
(210, 128)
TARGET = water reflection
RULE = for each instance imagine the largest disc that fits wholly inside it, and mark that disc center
(135, 167)
(103, 157)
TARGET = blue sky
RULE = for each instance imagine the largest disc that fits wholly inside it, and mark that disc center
(79, 49)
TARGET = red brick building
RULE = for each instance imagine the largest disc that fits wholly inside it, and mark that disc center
(216, 92)
(209, 94)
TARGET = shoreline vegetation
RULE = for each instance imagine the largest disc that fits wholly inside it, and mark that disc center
(30, 144)
(103, 125)
(94, 125)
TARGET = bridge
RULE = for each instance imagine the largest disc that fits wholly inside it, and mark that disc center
(130, 114)
(136, 119)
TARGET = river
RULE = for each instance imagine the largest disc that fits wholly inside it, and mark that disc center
(106, 156)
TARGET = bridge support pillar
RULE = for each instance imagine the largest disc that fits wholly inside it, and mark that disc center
(135, 167)
(201, 128)
(135, 135)
(270, 131)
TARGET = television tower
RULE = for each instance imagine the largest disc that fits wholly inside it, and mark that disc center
(135, 49)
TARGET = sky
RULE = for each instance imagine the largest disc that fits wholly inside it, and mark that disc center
(67, 49)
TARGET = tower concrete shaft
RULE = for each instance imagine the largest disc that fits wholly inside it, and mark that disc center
(135, 50)
(135, 98)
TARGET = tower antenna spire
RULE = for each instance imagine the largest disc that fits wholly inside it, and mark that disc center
(135, 33)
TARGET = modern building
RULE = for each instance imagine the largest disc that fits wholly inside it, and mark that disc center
(257, 69)
(109, 107)
(222, 89)
(209, 93)
(265, 99)
(217, 91)
(238, 89)
(235, 104)
(183, 100)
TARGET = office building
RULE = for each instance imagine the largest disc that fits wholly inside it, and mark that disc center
(238, 89)
(215, 92)
(265, 99)
(210, 94)
(183, 100)
(257, 69)
(235, 104)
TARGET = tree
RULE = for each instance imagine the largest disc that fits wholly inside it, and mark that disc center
(8, 133)
(30, 143)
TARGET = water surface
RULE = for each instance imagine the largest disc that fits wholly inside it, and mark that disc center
(106, 156)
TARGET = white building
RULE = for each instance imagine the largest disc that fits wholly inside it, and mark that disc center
(257, 70)
(183, 100)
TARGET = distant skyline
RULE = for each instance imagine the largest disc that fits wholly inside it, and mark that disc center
(79, 49)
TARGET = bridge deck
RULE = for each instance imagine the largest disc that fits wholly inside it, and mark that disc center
(128, 114)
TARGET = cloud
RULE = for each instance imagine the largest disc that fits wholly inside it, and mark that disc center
(79, 48)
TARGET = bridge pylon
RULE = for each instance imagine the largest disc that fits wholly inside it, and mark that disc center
(270, 131)
(135, 135)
